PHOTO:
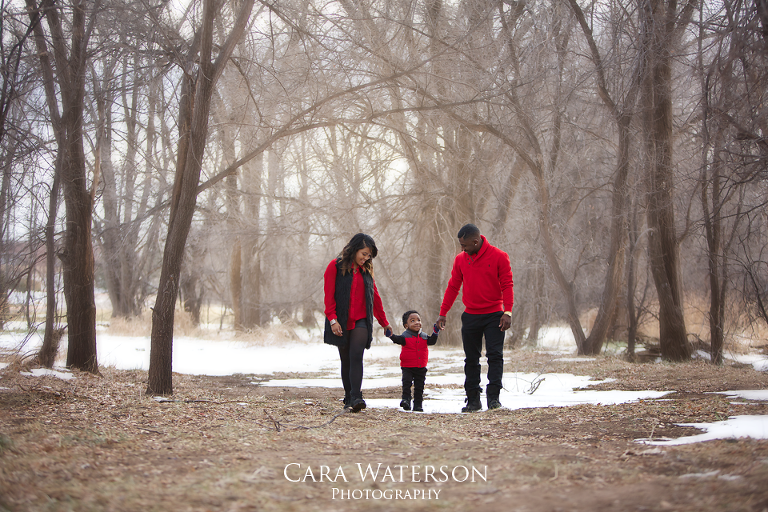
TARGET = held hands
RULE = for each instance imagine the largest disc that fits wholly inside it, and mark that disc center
(436, 329)
(440, 323)
(400, 340)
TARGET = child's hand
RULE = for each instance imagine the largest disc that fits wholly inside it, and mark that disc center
(436, 329)
(388, 332)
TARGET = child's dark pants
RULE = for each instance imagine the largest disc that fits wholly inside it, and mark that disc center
(415, 376)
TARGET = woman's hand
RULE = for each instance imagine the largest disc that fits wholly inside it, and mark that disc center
(336, 329)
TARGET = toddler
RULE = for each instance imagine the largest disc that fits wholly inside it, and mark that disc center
(413, 358)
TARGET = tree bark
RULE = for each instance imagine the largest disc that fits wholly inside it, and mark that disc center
(51, 339)
(77, 253)
(659, 25)
(251, 255)
(193, 127)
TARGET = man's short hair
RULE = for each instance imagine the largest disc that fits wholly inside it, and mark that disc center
(469, 231)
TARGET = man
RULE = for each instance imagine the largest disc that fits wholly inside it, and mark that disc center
(486, 275)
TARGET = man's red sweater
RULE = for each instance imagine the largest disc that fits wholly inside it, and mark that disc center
(487, 280)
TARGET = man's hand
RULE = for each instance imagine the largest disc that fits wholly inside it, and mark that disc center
(505, 322)
(440, 322)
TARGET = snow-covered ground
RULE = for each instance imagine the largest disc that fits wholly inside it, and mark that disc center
(443, 393)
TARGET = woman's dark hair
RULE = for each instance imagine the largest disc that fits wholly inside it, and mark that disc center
(407, 315)
(347, 256)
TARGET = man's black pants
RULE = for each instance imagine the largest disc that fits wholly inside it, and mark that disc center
(473, 328)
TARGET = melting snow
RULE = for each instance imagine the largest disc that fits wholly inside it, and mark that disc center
(735, 427)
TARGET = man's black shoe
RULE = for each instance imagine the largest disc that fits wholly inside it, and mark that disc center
(473, 404)
(417, 407)
(405, 404)
(493, 403)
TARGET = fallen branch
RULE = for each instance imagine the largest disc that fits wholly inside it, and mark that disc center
(150, 430)
(344, 411)
(162, 400)
(279, 426)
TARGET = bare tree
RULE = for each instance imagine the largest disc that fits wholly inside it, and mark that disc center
(732, 74)
(16, 76)
(69, 72)
(622, 113)
(662, 23)
(197, 89)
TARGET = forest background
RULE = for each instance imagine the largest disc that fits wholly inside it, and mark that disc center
(223, 152)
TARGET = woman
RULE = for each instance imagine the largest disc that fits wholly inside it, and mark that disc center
(351, 303)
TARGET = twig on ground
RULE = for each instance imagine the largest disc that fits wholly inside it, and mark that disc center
(535, 385)
(279, 426)
(344, 411)
(274, 421)
(536, 382)
(150, 430)
(162, 400)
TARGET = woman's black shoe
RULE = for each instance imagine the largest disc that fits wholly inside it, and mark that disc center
(358, 404)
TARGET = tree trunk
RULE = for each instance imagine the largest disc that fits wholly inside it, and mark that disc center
(537, 304)
(663, 249)
(77, 253)
(549, 253)
(616, 251)
(251, 257)
(51, 337)
(236, 282)
(193, 131)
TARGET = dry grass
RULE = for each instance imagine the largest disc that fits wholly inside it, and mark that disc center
(184, 327)
(223, 443)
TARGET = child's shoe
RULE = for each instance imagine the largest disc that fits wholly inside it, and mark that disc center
(405, 404)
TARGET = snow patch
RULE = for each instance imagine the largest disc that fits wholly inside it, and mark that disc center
(735, 427)
(746, 394)
(40, 372)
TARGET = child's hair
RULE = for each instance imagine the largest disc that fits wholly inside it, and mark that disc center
(407, 315)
